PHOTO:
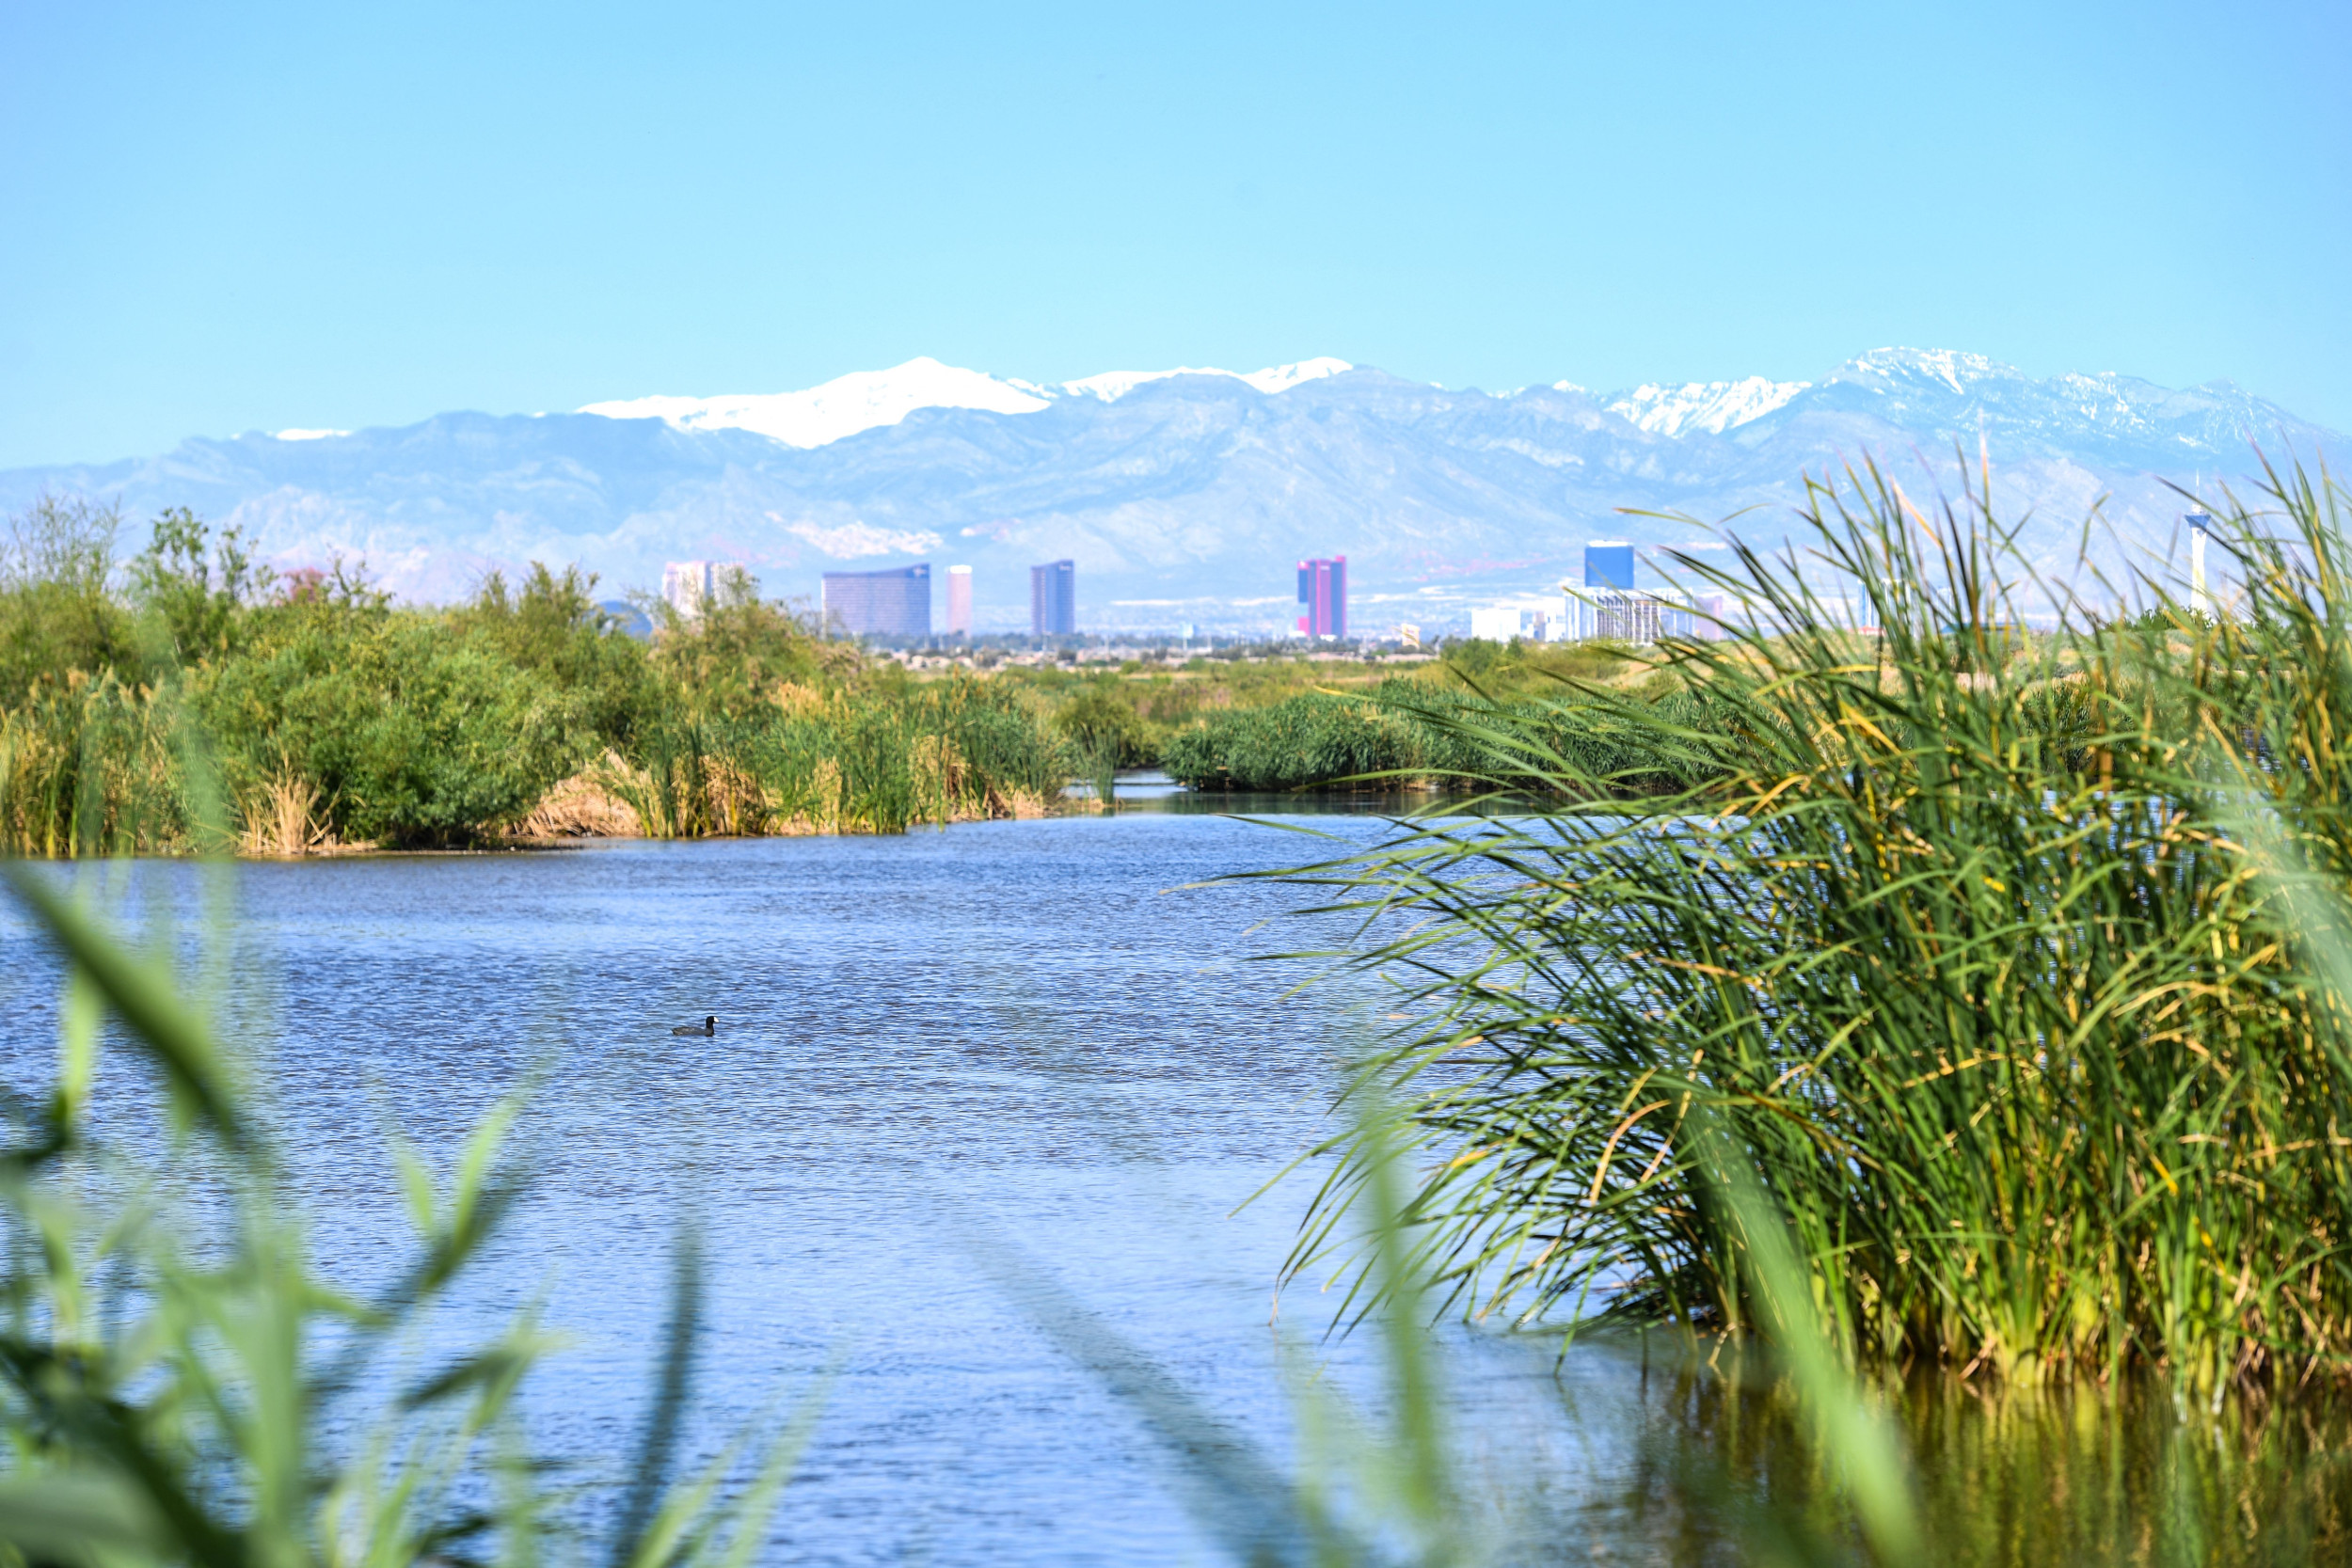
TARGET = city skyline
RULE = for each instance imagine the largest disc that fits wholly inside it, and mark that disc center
(1323, 589)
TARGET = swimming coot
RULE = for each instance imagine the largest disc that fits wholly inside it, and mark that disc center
(707, 1026)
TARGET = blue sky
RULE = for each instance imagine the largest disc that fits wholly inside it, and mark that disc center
(230, 218)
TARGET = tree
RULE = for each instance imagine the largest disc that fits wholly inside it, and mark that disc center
(195, 600)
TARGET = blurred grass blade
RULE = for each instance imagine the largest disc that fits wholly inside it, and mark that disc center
(172, 1034)
(674, 1379)
(1854, 1436)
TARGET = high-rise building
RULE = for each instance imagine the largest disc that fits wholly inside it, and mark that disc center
(2200, 529)
(688, 583)
(892, 603)
(1054, 599)
(1608, 564)
(1603, 604)
(958, 601)
(1323, 589)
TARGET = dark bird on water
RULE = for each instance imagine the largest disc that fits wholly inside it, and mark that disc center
(707, 1026)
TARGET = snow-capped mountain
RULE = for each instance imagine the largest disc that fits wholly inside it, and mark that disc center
(867, 400)
(1712, 407)
(1189, 495)
(863, 400)
(1113, 385)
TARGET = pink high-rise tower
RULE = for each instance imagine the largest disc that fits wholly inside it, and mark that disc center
(958, 601)
(1323, 589)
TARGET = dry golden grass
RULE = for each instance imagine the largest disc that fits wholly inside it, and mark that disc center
(282, 821)
(582, 806)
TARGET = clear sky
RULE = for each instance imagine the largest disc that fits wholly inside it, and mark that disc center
(222, 219)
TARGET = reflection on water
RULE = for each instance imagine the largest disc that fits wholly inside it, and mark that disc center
(1724, 1472)
(1147, 789)
(1039, 1027)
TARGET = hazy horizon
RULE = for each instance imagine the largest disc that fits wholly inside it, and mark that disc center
(283, 217)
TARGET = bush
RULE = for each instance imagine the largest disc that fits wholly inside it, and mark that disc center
(412, 736)
(1409, 731)
(1301, 741)
(55, 614)
(554, 628)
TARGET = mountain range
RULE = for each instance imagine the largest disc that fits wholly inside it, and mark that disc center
(1189, 495)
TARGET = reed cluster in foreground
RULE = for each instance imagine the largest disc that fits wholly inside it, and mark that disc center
(2017, 967)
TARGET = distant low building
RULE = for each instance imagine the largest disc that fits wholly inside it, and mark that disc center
(688, 585)
(1644, 615)
(1504, 623)
(1627, 617)
(1054, 599)
(1495, 623)
(892, 603)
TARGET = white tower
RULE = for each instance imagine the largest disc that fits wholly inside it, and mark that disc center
(2200, 602)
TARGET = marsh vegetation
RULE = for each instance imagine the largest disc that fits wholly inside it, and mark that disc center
(333, 717)
(1919, 1059)
(2016, 969)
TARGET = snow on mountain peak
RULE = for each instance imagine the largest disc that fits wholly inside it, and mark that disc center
(1281, 378)
(1949, 367)
(1712, 407)
(1113, 385)
(863, 399)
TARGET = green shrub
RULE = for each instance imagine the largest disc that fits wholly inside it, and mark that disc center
(554, 628)
(413, 735)
(193, 600)
(1101, 724)
(56, 613)
(1407, 730)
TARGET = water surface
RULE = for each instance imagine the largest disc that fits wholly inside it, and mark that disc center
(1041, 1034)
(1040, 1030)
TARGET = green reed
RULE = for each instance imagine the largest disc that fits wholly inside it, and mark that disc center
(878, 762)
(1407, 732)
(90, 766)
(1962, 936)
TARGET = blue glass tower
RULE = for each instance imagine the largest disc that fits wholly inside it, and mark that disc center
(1054, 599)
(1608, 564)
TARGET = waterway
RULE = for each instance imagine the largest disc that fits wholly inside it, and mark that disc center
(1050, 1041)
(1046, 1039)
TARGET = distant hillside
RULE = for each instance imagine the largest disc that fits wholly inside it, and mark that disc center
(1189, 495)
